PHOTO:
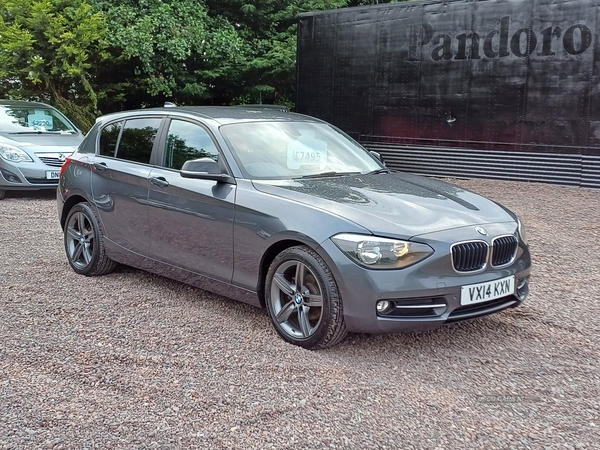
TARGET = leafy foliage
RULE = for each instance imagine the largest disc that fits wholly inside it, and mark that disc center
(49, 50)
(269, 27)
(170, 49)
(92, 56)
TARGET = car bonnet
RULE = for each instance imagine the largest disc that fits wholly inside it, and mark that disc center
(394, 204)
(42, 142)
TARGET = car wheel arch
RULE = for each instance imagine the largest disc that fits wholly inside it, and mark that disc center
(269, 255)
(69, 204)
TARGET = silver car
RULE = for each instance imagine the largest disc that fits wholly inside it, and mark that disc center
(35, 140)
(286, 212)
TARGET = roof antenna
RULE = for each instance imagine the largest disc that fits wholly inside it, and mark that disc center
(170, 105)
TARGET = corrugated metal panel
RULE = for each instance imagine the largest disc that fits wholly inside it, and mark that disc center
(558, 168)
(590, 176)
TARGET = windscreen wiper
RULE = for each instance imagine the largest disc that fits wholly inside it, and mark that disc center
(374, 172)
(44, 132)
(330, 174)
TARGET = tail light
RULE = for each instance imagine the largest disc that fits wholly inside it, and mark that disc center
(64, 166)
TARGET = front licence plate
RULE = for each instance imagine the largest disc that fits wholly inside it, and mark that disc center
(483, 292)
(52, 174)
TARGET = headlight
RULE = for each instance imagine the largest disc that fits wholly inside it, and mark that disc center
(13, 154)
(522, 233)
(381, 253)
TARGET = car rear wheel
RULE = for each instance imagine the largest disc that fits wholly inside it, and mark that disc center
(84, 242)
(2, 194)
(303, 300)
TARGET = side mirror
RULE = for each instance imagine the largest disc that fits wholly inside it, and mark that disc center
(377, 155)
(205, 169)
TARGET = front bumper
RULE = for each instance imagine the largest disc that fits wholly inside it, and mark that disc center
(424, 296)
(27, 176)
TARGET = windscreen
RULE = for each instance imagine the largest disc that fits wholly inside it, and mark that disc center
(33, 120)
(296, 149)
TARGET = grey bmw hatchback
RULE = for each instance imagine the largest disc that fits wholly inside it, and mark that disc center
(286, 212)
(35, 140)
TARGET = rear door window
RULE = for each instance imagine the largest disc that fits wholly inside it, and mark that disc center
(137, 139)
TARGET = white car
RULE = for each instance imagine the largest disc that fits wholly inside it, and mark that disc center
(35, 141)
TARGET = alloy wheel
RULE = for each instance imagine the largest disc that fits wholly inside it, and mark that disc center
(80, 240)
(297, 300)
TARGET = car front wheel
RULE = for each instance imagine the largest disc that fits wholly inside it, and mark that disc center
(2, 194)
(303, 300)
(84, 242)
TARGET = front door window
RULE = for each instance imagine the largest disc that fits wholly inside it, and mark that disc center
(187, 141)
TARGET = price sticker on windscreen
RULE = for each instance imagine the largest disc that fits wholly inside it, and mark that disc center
(40, 121)
(306, 151)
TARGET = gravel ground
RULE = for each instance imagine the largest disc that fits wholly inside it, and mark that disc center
(133, 360)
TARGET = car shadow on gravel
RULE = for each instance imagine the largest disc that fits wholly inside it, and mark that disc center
(46, 194)
(510, 324)
(504, 327)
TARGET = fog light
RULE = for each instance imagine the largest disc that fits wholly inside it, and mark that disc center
(10, 177)
(522, 288)
(383, 306)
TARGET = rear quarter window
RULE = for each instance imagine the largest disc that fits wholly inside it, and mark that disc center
(109, 136)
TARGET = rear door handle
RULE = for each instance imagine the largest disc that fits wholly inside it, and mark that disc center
(161, 182)
(100, 167)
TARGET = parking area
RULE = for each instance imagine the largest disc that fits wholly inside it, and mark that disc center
(133, 360)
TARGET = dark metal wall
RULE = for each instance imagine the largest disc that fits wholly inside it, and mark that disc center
(493, 88)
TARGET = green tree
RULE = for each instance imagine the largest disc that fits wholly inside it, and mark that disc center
(93, 56)
(49, 50)
(169, 50)
(269, 28)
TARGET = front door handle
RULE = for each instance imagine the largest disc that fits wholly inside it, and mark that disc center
(100, 167)
(161, 182)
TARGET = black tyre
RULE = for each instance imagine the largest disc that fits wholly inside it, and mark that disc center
(303, 301)
(2, 194)
(84, 242)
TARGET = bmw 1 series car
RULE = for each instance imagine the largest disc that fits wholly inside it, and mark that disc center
(35, 140)
(286, 212)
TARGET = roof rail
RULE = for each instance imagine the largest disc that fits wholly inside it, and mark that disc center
(265, 106)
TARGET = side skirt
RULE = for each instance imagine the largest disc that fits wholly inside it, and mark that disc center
(129, 258)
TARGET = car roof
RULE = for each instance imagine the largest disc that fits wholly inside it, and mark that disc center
(22, 103)
(221, 114)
